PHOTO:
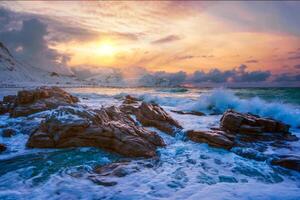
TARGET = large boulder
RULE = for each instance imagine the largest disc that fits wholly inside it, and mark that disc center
(242, 123)
(153, 115)
(107, 128)
(27, 102)
(215, 138)
(290, 162)
(150, 114)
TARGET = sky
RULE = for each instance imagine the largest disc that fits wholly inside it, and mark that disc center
(194, 41)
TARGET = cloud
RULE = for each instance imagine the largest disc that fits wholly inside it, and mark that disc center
(287, 77)
(238, 74)
(296, 57)
(167, 39)
(297, 66)
(251, 61)
(28, 44)
(25, 36)
(162, 79)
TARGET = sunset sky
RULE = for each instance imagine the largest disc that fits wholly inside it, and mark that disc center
(159, 36)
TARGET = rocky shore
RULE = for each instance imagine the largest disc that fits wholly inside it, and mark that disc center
(123, 129)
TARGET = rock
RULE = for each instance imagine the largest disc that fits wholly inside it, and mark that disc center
(8, 132)
(189, 112)
(32, 101)
(130, 100)
(2, 147)
(250, 124)
(107, 128)
(154, 115)
(101, 181)
(290, 162)
(117, 169)
(130, 105)
(9, 98)
(215, 138)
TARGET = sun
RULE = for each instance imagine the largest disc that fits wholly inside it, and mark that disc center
(106, 49)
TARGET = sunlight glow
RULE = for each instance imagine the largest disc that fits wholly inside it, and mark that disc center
(106, 49)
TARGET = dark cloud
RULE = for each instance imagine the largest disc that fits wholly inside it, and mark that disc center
(187, 57)
(287, 77)
(252, 61)
(296, 57)
(238, 74)
(167, 39)
(28, 44)
(184, 57)
(297, 66)
(162, 79)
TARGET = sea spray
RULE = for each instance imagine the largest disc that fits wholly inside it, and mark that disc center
(219, 100)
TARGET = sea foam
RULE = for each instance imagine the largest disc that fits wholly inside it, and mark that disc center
(219, 100)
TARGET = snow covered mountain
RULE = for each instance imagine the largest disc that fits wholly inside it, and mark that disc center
(15, 73)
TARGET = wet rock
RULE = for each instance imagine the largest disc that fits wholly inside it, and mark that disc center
(27, 102)
(118, 169)
(130, 105)
(130, 100)
(2, 147)
(215, 138)
(9, 98)
(8, 132)
(188, 112)
(250, 124)
(101, 181)
(290, 162)
(107, 128)
(154, 115)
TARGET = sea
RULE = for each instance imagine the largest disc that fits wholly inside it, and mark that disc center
(183, 169)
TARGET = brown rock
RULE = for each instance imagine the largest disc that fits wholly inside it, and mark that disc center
(107, 128)
(32, 101)
(248, 124)
(154, 115)
(215, 138)
(290, 162)
(130, 100)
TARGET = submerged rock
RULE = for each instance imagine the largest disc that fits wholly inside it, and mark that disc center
(215, 138)
(8, 132)
(27, 102)
(197, 113)
(2, 147)
(107, 128)
(154, 115)
(290, 162)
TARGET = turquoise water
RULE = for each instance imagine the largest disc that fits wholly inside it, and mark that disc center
(183, 170)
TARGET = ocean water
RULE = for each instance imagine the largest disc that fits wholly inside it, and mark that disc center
(183, 170)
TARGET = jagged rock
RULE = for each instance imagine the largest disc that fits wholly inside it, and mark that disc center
(8, 132)
(2, 147)
(250, 124)
(130, 105)
(290, 162)
(154, 115)
(215, 138)
(32, 101)
(107, 128)
(188, 112)
(130, 100)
